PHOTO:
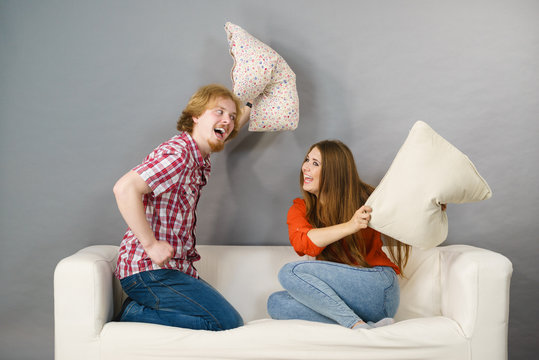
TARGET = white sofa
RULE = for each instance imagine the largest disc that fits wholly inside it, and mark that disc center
(454, 305)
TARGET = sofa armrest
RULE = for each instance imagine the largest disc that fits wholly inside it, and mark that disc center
(475, 293)
(83, 300)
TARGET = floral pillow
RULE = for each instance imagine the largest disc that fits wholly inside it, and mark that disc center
(261, 76)
(427, 172)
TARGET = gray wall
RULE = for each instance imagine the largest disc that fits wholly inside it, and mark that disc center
(88, 88)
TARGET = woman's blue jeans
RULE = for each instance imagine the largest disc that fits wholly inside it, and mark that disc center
(331, 292)
(170, 297)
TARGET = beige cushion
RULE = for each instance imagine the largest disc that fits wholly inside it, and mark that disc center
(428, 171)
(261, 76)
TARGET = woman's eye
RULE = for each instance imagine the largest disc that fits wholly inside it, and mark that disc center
(220, 112)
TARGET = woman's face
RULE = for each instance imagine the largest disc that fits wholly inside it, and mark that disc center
(311, 169)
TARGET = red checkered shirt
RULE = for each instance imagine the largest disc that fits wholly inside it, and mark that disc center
(176, 172)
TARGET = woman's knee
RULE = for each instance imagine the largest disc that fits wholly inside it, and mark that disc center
(289, 273)
(284, 274)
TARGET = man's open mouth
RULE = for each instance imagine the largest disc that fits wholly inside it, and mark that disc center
(220, 133)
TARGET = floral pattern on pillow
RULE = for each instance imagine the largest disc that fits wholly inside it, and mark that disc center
(261, 76)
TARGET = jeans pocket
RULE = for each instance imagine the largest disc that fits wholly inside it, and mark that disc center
(129, 282)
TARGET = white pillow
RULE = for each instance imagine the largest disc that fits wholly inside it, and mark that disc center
(428, 171)
(262, 76)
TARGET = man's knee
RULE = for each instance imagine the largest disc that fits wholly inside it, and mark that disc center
(232, 320)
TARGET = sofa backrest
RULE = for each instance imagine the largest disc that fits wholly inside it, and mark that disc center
(421, 285)
(247, 275)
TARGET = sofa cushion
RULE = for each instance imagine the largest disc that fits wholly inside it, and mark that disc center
(427, 171)
(427, 338)
(260, 75)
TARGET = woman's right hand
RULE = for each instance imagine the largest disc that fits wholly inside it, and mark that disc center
(360, 219)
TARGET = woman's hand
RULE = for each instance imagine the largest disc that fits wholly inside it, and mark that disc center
(324, 236)
(360, 219)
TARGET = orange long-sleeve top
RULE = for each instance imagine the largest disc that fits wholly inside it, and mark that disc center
(299, 226)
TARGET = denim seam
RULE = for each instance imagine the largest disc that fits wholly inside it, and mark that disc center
(135, 280)
(149, 288)
(392, 284)
(127, 310)
(191, 300)
(312, 286)
(381, 270)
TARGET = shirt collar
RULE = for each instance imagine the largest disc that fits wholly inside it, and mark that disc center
(202, 162)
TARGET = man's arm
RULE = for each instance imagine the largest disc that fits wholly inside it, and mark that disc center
(128, 191)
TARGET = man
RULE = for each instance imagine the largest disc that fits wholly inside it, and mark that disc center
(158, 201)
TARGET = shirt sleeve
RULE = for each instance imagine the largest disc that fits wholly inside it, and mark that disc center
(298, 227)
(162, 171)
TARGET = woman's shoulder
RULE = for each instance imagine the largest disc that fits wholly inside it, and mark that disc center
(298, 202)
(298, 207)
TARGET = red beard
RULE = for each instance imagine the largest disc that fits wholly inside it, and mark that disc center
(216, 146)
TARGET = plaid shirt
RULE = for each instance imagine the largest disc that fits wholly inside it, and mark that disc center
(176, 172)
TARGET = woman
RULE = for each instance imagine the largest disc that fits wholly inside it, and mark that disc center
(352, 282)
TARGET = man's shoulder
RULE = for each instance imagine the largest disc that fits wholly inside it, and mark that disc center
(179, 141)
(178, 144)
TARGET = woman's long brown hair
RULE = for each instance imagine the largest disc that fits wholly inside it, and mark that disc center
(341, 193)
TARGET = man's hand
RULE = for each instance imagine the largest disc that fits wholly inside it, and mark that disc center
(160, 252)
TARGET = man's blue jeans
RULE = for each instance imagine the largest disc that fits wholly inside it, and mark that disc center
(331, 292)
(170, 297)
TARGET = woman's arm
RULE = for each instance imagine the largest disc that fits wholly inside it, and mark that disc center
(324, 236)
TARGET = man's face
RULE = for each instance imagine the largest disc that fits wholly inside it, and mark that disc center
(213, 127)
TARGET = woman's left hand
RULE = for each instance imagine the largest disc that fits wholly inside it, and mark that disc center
(322, 237)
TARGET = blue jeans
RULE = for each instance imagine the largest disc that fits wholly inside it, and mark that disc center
(332, 293)
(170, 297)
